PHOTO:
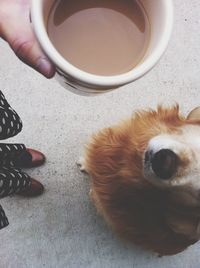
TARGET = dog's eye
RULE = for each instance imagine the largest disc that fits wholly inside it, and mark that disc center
(164, 164)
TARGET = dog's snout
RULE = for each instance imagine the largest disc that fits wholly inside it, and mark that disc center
(164, 163)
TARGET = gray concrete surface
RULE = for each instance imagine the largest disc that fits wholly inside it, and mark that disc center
(61, 228)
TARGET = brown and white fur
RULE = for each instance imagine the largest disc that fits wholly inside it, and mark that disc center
(145, 178)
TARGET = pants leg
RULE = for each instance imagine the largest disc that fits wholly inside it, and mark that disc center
(14, 155)
(3, 219)
(10, 122)
(13, 181)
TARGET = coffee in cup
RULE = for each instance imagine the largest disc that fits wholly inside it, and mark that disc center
(109, 43)
(102, 37)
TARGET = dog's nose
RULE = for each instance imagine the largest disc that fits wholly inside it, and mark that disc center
(164, 163)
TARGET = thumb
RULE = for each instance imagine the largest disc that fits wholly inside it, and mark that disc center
(21, 38)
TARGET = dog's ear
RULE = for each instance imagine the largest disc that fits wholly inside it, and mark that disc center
(194, 114)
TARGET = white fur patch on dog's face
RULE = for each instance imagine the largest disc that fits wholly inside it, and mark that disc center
(186, 146)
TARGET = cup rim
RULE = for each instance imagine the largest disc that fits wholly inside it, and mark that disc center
(97, 80)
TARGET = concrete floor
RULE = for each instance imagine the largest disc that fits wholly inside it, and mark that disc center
(61, 228)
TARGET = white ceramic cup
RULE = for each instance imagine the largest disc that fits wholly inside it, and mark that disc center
(160, 14)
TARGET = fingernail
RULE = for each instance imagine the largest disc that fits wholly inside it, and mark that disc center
(45, 67)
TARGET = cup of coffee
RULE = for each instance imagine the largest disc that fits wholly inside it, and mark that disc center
(101, 45)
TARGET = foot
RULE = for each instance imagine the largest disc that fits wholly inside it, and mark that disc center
(81, 164)
(31, 158)
(38, 158)
(35, 189)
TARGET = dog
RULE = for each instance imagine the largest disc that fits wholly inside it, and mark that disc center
(145, 178)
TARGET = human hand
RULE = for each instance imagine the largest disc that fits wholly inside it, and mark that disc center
(16, 29)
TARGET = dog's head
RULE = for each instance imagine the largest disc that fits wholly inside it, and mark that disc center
(172, 155)
(142, 170)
